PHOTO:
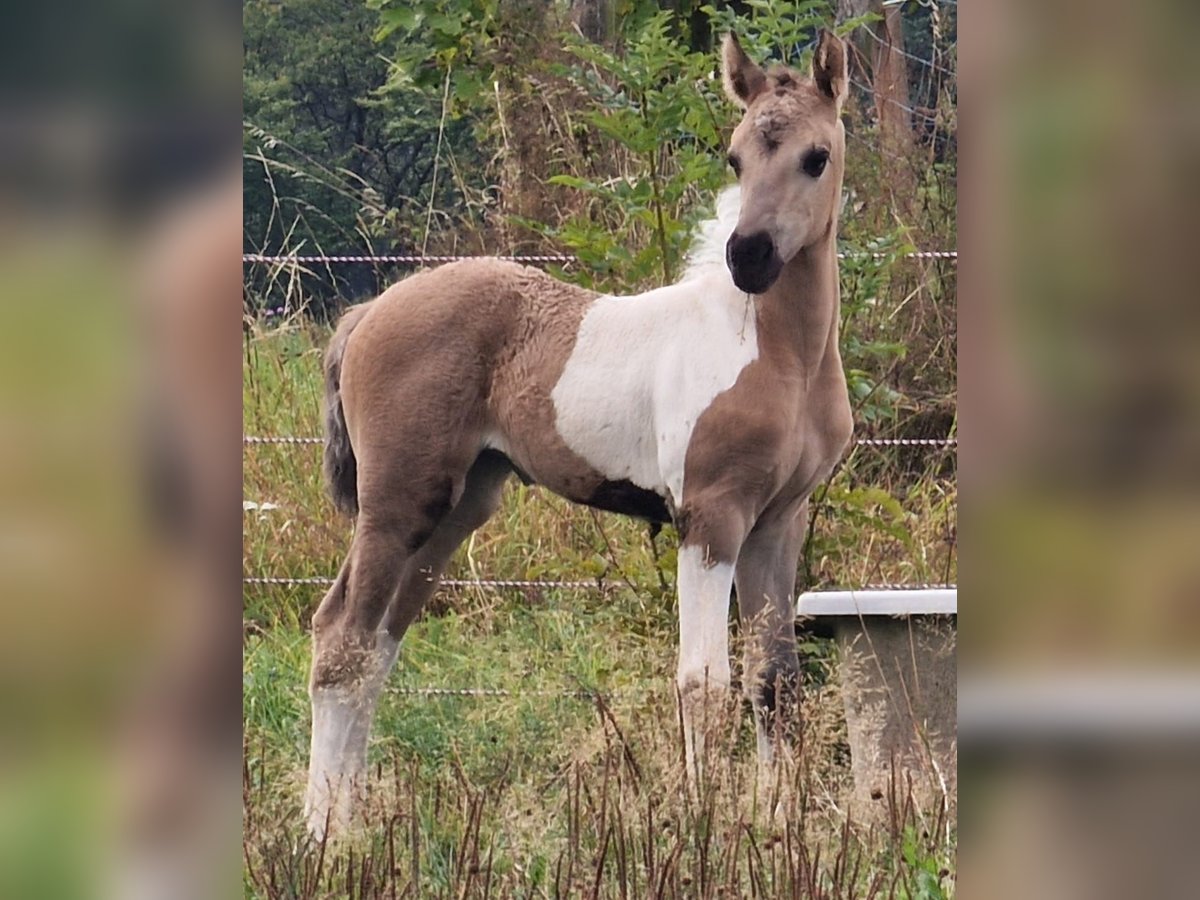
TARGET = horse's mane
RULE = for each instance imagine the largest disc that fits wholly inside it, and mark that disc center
(706, 258)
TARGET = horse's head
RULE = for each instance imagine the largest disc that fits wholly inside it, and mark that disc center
(788, 153)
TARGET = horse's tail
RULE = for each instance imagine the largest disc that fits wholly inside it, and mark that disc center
(341, 467)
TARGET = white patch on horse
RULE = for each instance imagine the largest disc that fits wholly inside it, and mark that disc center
(707, 255)
(644, 368)
(703, 673)
(493, 439)
(340, 728)
(704, 592)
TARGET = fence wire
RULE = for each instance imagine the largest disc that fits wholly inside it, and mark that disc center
(861, 442)
(337, 259)
(578, 694)
(596, 695)
(594, 585)
(928, 63)
(583, 585)
(410, 259)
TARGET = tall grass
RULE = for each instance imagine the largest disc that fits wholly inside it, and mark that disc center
(585, 798)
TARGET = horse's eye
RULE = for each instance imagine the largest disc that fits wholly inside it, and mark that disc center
(735, 164)
(814, 162)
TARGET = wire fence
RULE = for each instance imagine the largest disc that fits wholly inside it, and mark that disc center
(927, 63)
(565, 259)
(588, 694)
(598, 584)
(862, 442)
(338, 259)
(913, 111)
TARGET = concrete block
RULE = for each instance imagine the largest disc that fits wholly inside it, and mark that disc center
(899, 680)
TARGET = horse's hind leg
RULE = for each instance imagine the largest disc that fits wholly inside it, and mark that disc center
(357, 628)
(351, 661)
(480, 499)
(352, 656)
(352, 653)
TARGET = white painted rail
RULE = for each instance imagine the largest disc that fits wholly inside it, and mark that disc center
(920, 602)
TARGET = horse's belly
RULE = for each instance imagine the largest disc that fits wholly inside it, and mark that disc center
(627, 498)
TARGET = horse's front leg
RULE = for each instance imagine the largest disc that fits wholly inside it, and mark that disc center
(707, 557)
(766, 586)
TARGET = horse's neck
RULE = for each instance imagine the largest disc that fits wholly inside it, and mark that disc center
(801, 308)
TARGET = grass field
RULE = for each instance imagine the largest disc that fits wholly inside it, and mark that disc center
(566, 780)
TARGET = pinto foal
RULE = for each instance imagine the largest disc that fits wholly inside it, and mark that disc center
(717, 403)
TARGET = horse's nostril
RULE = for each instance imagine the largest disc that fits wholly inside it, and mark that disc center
(754, 250)
(764, 247)
(752, 261)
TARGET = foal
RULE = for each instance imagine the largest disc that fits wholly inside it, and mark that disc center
(717, 403)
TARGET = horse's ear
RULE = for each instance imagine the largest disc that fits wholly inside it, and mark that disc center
(829, 67)
(744, 79)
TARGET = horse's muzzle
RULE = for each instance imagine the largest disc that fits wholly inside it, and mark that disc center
(753, 261)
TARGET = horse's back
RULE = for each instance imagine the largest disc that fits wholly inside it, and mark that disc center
(471, 289)
(466, 310)
(437, 350)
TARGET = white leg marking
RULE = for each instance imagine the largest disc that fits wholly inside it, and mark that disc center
(341, 725)
(771, 750)
(703, 642)
(766, 748)
(703, 618)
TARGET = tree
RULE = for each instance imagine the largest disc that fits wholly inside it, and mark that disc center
(339, 152)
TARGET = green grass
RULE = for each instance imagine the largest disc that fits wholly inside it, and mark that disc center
(570, 783)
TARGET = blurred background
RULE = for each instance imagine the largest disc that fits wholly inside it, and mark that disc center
(1079, 703)
(120, 207)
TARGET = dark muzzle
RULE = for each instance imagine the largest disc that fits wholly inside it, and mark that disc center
(752, 261)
